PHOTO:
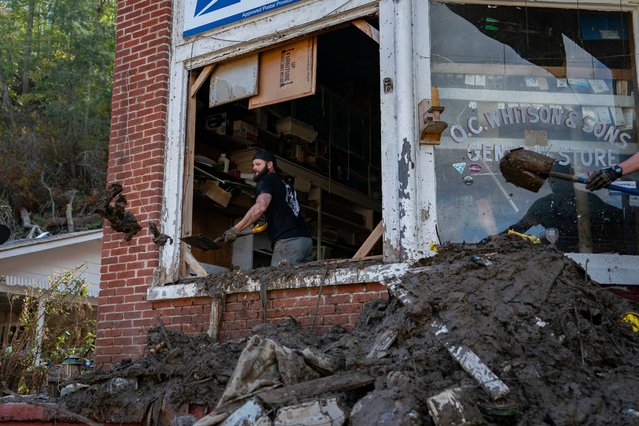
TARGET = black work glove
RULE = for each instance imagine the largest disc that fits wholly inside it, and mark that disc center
(601, 178)
(230, 235)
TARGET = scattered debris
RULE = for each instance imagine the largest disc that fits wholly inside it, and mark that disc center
(120, 219)
(159, 238)
(327, 412)
(553, 340)
(450, 408)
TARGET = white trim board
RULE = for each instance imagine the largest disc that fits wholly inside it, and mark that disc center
(18, 248)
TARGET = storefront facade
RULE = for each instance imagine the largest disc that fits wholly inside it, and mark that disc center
(558, 78)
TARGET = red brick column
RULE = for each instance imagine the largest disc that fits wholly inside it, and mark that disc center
(136, 161)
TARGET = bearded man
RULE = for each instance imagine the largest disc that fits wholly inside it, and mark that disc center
(277, 200)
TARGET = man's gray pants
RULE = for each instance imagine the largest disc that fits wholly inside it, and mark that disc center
(292, 250)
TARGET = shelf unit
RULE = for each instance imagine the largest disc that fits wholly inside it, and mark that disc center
(327, 194)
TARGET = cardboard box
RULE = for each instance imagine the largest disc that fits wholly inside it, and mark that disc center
(245, 131)
(214, 192)
(243, 159)
(294, 127)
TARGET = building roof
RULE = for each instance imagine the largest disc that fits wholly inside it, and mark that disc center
(28, 262)
(18, 247)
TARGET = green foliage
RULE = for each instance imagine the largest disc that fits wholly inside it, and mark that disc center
(52, 324)
(55, 102)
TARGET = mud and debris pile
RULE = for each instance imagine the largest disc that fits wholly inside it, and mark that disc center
(517, 334)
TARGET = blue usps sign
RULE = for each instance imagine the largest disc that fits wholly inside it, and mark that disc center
(203, 15)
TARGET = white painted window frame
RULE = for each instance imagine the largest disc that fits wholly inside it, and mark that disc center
(409, 207)
(298, 20)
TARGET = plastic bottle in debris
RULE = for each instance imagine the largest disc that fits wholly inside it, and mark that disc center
(480, 260)
(224, 163)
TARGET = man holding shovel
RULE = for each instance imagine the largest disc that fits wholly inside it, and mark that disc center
(278, 201)
(604, 177)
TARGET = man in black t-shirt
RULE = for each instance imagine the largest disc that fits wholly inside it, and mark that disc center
(278, 201)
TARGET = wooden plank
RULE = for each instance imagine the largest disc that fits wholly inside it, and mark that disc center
(195, 87)
(299, 391)
(194, 264)
(471, 363)
(217, 306)
(367, 29)
(370, 241)
(189, 163)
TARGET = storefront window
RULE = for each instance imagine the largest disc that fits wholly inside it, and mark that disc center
(559, 82)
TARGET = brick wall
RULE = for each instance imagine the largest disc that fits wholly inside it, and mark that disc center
(136, 160)
(337, 305)
(340, 304)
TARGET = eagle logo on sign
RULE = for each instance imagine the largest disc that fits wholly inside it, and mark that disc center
(203, 7)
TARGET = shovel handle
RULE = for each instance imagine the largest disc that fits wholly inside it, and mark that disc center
(579, 179)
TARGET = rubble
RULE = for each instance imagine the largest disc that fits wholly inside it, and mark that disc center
(548, 346)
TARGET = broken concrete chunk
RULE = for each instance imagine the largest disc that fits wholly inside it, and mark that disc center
(449, 408)
(251, 413)
(325, 364)
(327, 412)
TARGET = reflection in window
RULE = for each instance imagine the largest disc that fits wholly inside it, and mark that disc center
(560, 82)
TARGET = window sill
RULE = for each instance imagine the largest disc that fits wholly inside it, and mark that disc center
(307, 275)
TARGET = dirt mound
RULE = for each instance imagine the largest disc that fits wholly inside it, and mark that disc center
(552, 337)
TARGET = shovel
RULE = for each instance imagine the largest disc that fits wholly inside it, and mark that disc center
(205, 243)
(529, 169)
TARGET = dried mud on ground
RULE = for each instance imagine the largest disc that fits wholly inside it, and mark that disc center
(533, 317)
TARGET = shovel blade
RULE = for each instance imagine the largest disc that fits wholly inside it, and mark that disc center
(202, 242)
(526, 169)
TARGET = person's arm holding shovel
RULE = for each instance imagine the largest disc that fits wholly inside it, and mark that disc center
(604, 177)
(252, 215)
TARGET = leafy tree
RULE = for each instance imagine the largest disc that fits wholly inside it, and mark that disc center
(55, 102)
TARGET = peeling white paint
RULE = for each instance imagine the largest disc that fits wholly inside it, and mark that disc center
(245, 283)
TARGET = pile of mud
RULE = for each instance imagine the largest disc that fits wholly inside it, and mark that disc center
(552, 337)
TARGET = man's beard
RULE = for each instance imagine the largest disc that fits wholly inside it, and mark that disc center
(258, 176)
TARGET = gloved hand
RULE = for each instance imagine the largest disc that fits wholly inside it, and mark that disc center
(601, 178)
(230, 235)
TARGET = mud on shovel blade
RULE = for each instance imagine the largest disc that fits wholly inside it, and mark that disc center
(203, 242)
(529, 170)
(526, 169)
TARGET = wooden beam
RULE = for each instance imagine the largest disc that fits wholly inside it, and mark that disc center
(370, 241)
(336, 383)
(194, 264)
(367, 29)
(189, 164)
(195, 87)
(217, 306)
